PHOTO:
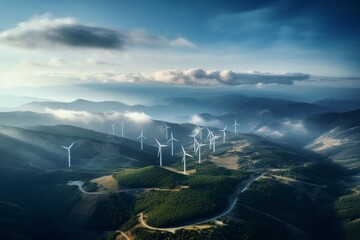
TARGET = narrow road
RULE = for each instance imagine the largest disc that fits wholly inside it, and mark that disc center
(124, 235)
(81, 183)
(303, 182)
(227, 211)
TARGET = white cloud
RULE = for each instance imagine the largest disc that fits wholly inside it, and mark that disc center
(198, 77)
(138, 117)
(182, 42)
(95, 62)
(296, 126)
(83, 116)
(198, 120)
(56, 61)
(47, 32)
(74, 116)
(265, 130)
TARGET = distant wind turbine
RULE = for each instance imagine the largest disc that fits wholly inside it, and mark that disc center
(199, 145)
(235, 124)
(172, 139)
(113, 128)
(142, 137)
(160, 151)
(194, 137)
(166, 130)
(209, 137)
(184, 158)
(68, 149)
(200, 131)
(224, 133)
(213, 141)
(122, 129)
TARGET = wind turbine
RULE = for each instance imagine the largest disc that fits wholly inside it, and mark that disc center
(166, 130)
(213, 141)
(235, 124)
(209, 137)
(184, 158)
(68, 149)
(142, 137)
(199, 149)
(122, 129)
(200, 131)
(113, 128)
(194, 137)
(160, 151)
(224, 133)
(172, 139)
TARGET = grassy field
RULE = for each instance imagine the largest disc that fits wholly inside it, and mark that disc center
(149, 177)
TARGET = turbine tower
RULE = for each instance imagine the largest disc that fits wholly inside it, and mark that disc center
(122, 129)
(160, 151)
(142, 137)
(200, 131)
(224, 133)
(213, 141)
(68, 149)
(235, 124)
(113, 128)
(166, 131)
(209, 137)
(194, 137)
(199, 145)
(172, 139)
(184, 158)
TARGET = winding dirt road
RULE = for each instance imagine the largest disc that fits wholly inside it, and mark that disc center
(214, 218)
(80, 184)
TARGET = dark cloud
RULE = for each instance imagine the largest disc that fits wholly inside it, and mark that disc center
(48, 32)
(81, 36)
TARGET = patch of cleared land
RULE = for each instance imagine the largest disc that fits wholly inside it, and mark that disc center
(188, 172)
(327, 143)
(231, 162)
(107, 183)
(226, 162)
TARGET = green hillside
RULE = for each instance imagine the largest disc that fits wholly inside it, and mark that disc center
(174, 208)
(148, 177)
(348, 209)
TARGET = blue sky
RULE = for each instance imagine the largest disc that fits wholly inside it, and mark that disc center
(204, 42)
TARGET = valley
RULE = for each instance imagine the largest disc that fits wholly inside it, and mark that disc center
(252, 185)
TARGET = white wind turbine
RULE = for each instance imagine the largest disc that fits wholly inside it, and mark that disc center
(142, 137)
(194, 137)
(122, 129)
(113, 128)
(184, 158)
(224, 133)
(213, 141)
(199, 145)
(68, 149)
(160, 151)
(166, 131)
(200, 131)
(235, 125)
(209, 137)
(172, 139)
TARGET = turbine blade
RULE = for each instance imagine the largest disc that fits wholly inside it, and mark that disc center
(183, 149)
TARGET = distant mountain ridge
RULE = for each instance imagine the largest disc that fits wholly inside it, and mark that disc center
(340, 105)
